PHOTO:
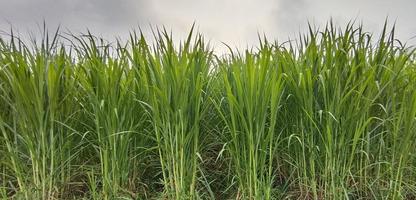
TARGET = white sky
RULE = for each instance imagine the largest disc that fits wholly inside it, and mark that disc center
(235, 22)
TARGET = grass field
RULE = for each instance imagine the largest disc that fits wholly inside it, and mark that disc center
(330, 115)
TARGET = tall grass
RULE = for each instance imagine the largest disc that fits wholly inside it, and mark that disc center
(342, 86)
(110, 97)
(252, 91)
(37, 87)
(177, 80)
(331, 115)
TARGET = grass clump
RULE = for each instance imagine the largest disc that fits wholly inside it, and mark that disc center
(110, 97)
(252, 85)
(177, 81)
(37, 87)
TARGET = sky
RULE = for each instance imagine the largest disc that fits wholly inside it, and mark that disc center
(234, 22)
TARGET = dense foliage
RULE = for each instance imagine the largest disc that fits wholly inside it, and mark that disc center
(331, 115)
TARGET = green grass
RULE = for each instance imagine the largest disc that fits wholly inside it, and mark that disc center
(37, 107)
(252, 86)
(177, 82)
(331, 115)
(110, 95)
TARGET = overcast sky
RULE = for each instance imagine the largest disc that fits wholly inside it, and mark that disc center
(235, 22)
